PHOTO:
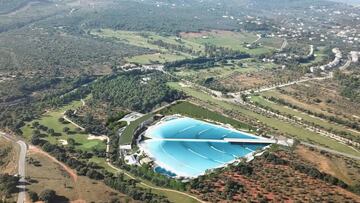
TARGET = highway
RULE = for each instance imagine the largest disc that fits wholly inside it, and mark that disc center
(22, 160)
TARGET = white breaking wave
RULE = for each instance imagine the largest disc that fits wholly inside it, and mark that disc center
(186, 128)
(216, 149)
(197, 153)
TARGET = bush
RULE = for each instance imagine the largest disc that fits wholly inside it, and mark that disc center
(47, 196)
(33, 196)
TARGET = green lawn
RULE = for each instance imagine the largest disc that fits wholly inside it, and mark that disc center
(232, 40)
(128, 133)
(102, 163)
(155, 58)
(50, 120)
(194, 111)
(281, 126)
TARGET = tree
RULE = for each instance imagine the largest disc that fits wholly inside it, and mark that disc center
(51, 131)
(71, 142)
(33, 196)
(61, 120)
(66, 129)
(47, 196)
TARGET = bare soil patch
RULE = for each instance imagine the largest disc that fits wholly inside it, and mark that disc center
(9, 155)
(52, 175)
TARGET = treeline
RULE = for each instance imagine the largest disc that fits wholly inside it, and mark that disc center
(214, 84)
(88, 121)
(176, 47)
(8, 185)
(51, 93)
(224, 52)
(128, 186)
(203, 62)
(146, 172)
(347, 123)
(135, 91)
(78, 161)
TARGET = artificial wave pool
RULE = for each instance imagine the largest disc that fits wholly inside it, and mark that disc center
(188, 147)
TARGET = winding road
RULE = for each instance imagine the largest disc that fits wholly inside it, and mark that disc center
(21, 165)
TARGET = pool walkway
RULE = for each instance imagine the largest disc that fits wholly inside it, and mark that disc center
(225, 140)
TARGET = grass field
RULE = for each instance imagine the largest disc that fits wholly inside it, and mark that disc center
(145, 39)
(127, 135)
(344, 169)
(220, 71)
(332, 103)
(272, 42)
(50, 175)
(280, 126)
(232, 40)
(50, 120)
(285, 110)
(155, 58)
(192, 41)
(194, 111)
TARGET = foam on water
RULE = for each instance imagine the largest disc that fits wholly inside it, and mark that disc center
(191, 158)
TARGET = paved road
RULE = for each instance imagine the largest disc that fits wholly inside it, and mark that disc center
(22, 159)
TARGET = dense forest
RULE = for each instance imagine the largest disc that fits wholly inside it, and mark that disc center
(135, 91)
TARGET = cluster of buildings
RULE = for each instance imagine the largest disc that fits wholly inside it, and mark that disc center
(332, 64)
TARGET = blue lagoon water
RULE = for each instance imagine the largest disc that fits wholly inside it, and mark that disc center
(201, 149)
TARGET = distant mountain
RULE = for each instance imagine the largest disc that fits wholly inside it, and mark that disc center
(351, 2)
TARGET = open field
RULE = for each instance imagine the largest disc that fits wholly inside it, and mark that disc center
(51, 120)
(172, 196)
(343, 168)
(320, 97)
(101, 162)
(228, 39)
(148, 40)
(127, 37)
(155, 58)
(192, 42)
(278, 125)
(144, 39)
(271, 42)
(50, 175)
(9, 155)
(221, 71)
(243, 81)
(302, 116)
